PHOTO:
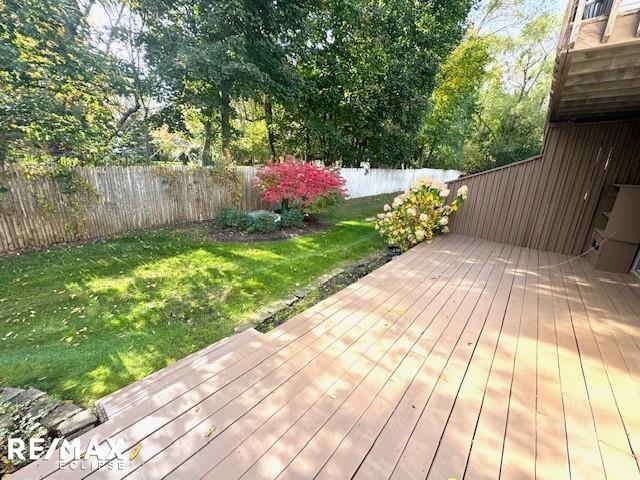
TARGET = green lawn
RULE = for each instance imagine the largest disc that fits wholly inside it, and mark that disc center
(80, 322)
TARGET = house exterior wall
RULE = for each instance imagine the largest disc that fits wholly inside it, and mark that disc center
(549, 202)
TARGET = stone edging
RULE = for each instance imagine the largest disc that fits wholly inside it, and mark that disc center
(31, 413)
(270, 311)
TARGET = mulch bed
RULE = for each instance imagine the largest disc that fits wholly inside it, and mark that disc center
(228, 235)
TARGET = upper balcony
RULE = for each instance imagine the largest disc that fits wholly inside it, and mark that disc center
(598, 64)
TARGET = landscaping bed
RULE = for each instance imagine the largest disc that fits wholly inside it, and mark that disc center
(236, 226)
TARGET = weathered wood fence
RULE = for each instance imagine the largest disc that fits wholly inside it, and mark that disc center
(36, 212)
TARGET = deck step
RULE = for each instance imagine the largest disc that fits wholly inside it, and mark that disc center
(135, 393)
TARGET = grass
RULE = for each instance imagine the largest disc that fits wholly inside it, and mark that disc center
(80, 322)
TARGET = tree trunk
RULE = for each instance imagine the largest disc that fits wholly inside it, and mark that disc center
(206, 148)
(432, 148)
(268, 117)
(225, 126)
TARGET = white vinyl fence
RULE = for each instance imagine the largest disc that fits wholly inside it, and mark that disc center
(363, 183)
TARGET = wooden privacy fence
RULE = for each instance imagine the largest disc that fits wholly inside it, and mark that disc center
(38, 211)
(35, 212)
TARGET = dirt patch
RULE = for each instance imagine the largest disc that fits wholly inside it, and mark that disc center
(349, 275)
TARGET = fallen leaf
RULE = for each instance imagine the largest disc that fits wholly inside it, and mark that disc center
(135, 451)
(210, 431)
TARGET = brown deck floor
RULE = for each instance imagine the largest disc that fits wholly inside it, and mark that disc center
(460, 359)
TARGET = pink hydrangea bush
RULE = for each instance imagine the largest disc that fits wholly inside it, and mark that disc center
(418, 214)
(297, 184)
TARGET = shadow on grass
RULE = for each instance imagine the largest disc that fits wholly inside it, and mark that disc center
(86, 321)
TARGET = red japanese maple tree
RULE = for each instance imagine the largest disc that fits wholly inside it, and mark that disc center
(294, 183)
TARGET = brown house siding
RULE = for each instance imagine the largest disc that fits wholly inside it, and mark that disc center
(549, 202)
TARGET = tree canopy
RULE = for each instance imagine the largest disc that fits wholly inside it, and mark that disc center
(391, 83)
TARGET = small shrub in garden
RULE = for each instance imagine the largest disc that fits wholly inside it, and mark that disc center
(293, 218)
(301, 185)
(418, 214)
(263, 223)
(233, 218)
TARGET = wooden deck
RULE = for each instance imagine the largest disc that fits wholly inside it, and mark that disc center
(460, 359)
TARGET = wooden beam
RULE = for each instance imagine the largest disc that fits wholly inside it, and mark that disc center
(597, 112)
(631, 59)
(599, 94)
(603, 76)
(615, 101)
(613, 14)
(604, 51)
(612, 86)
(577, 21)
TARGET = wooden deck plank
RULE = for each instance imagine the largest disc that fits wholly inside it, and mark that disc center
(625, 393)
(552, 456)
(460, 359)
(452, 452)
(389, 444)
(448, 365)
(614, 445)
(191, 443)
(486, 450)
(319, 448)
(519, 450)
(261, 440)
(585, 459)
(347, 458)
(289, 445)
(624, 324)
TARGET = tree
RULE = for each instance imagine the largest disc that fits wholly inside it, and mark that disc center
(367, 70)
(209, 52)
(489, 105)
(55, 92)
(454, 104)
(514, 100)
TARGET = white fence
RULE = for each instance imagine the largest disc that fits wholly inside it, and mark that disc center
(362, 183)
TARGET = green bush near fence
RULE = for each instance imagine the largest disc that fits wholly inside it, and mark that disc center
(233, 218)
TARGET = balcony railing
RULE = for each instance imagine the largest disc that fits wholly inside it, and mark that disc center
(596, 8)
(606, 10)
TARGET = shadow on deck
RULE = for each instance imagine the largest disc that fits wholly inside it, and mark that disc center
(460, 359)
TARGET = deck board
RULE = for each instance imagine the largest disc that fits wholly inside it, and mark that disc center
(462, 358)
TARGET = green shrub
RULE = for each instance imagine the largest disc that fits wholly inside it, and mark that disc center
(293, 218)
(263, 223)
(233, 218)
(418, 214)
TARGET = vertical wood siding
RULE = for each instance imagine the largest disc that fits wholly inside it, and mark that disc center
(549, 202)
